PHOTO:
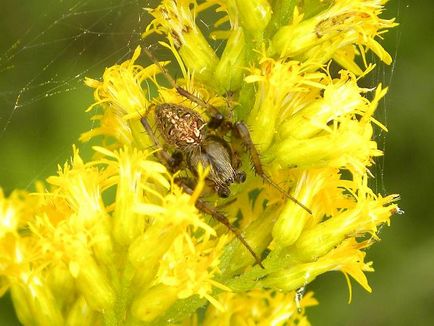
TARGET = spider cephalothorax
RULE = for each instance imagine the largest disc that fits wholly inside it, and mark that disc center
(180, 126)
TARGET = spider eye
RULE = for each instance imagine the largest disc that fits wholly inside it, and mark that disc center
(216, 121)
(223, 192)
(241, 177)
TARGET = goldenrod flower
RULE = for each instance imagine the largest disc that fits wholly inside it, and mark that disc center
(176, 19)
(259, 307)
(335, 33)
(115, 241)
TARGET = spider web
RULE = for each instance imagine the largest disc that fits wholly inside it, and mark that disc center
(46, 51)
(384, 74)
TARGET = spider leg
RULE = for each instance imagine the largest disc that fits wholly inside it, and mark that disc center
(227, 203)
(243, 132)
(216, 117)
(206, 208)
(173, 161)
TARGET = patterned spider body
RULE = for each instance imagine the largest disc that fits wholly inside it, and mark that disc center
(185, 130)
(180, 126)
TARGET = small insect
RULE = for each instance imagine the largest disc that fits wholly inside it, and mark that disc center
(198, 142)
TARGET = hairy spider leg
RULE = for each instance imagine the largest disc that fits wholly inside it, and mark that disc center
(208, 209)
(216, 116)
(200, 204)
(243, 132)
(172, 162)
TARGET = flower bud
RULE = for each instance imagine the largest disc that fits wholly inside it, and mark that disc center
(350, 141)
(314, 118)
(257, 236)
(61, 283)
(81, 314)
(93, 283)
(229, 70)
(146, 258)
(293, 40)
(295, 277)
(254, 15)
(293, 217)
(23, 310)
(36, 304)
(290, 224)
(325, 236)
(103, 246)
(198, 56)
(154, 302)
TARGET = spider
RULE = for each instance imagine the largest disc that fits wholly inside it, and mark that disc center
(199, 142)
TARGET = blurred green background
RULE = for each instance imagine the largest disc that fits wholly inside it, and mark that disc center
(46, 49)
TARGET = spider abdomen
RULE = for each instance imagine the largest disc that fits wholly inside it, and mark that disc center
(180, 126)
(216, 154)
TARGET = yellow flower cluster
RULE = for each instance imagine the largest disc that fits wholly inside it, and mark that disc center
(108, 233)
(115, 241)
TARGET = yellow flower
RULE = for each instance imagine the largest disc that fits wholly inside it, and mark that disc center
(114, 240)
(176, 19)
(121, 92)
(259, 307)
(335, 33)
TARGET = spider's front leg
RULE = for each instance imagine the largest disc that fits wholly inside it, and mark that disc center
(172, 162)
(206, 208)
(217, 117)
(243, 133)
